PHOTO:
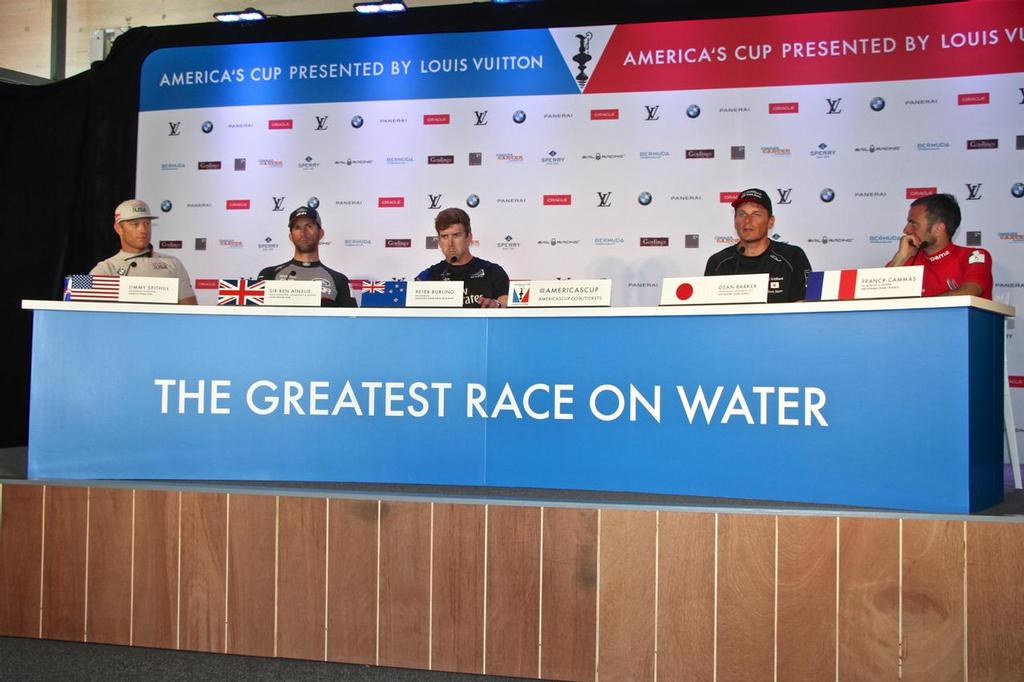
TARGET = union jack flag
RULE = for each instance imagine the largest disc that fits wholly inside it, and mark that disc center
(389, 295)
(240, 291)
(373, 287)
(92, 287)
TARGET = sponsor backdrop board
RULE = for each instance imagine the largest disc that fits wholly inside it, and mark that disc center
(573, 402)
(596, 151)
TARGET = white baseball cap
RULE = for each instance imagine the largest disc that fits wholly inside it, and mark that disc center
(133, 209)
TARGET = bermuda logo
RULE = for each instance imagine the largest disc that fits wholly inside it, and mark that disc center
(652, 113)
(973, 191)
(604, 199)
(321, 123)
(481, 118)
(833, 105)
(435, 201)
(278, 203)
(784, 195)
(175, 128)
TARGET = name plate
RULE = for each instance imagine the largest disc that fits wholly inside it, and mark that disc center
(847, 285)
(148, 290)
(292, 292)
(560, 293)
(120, 289)
(712, 290)
(434, 295)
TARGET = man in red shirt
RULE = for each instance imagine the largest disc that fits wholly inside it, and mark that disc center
(949, 270)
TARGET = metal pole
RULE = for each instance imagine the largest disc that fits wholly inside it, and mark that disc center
(58, 38)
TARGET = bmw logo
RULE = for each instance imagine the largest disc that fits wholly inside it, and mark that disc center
(166, 205)
(519, 116)
(645, 198)
(472, 201)
(1017, 190)
(827, 195)
(313, 202)
(357, 121)
(207, 126)
(877, 104)
(693, 111)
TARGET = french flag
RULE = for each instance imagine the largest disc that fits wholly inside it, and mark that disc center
(831, 285)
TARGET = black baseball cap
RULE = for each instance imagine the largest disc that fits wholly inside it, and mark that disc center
(304, 212)
(758, 196)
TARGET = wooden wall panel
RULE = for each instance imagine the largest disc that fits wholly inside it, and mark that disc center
(64, 536)
(627, 629)
(868, 599)
(746, 597)
(686, 596)
(806, 638)
(405, 584)
(995, 601)
(155, 601)
(513, 590)
(109, 589)
(352, 582)
(458, 588)
(21, 542)
(302, 578)
(203, 557)
(252, 539)
(569, 594)
(933, 603)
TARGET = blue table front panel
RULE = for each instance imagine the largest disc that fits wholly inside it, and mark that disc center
(97, 410)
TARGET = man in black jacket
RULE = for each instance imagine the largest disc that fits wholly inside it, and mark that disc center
(305, 231)
(755, 252)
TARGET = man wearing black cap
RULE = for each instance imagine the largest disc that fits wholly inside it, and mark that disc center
(305, 231)
(787, 265)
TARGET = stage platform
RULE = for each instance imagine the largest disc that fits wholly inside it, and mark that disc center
(557, 585)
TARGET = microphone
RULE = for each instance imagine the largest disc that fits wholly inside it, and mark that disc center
(127, 270)
(453, 260)
(923, 246)
(291, 275)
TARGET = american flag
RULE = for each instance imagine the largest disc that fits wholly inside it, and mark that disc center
(240, 291)
(91, 287)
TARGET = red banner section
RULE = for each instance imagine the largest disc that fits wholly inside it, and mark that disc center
(1016, 381)
(957, 39)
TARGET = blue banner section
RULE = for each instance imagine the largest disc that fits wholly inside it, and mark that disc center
(809, 407)
(434, 66)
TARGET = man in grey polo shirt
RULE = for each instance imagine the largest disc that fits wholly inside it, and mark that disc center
(133, 223)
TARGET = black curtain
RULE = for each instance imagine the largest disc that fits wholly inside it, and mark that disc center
(67, 150)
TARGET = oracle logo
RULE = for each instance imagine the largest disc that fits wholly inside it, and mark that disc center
(784, 108)
(604, 114)
(557, 199)
(918, 192)
(436, 119)
(207, 284)
(238, 205)
(391, 202)
(972, 98)
(728, 197)
(279, 124)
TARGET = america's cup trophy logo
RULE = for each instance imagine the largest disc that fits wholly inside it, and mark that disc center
(582, 57)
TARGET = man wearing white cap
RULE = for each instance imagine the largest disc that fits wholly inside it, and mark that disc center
(133, 223)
